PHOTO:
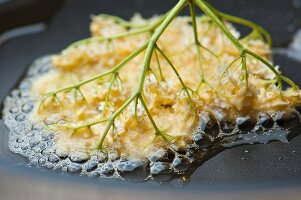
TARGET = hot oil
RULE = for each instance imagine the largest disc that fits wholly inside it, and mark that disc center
(214, 135)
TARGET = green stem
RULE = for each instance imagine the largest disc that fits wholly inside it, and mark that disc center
(228, 67)
(81, 126)
(113, 78)
(176, 72)
(157, 130)
(112, 119)
(242, 21)
(152, 44)
(271, 67)
(219, 23)
(128, 33)
(146, 64)
(212, 14)
(196, 40)
(157, 30)
(115, 69)
(253, 35)
(159, 67)
(245, 68)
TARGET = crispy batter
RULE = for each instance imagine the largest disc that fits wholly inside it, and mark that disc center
(169, 108)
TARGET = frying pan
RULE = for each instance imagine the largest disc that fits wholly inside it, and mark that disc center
(270, 171)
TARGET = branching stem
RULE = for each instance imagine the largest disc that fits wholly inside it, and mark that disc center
(137, 31)
(185, 88)
(196, 40)
(213, 14)
(150, 47)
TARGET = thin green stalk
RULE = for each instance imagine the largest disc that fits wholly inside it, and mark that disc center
(242, 21)
(113, 117)
(229, 66)
(115, 69)
(146, 64)
(211, 13)
(159, 67)
(158, 32)
(113, 78)
(271, 67)
(121, 35)
(253, 35)
(196, 40)
(245, 68)
(82, 125)
(176, 72)
(204, 7)
(157, 130)
(209, 51)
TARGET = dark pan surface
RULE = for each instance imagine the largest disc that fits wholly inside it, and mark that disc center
(256, 166)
